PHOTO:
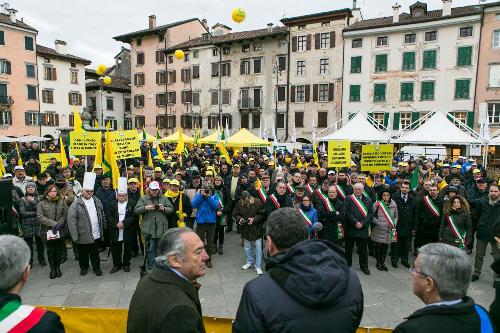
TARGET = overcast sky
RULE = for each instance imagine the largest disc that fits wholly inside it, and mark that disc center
(89, 25)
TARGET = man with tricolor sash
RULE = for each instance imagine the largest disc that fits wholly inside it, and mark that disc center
(429, 209)
(331, 212)
(359, 214)
(279, 199)
(15, 270)
(264, 190)
(343, 187)
(295, 181)
(312, 184)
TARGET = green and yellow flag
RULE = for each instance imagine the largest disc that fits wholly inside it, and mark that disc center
(77, 121)
(64, 159)
(109, 165)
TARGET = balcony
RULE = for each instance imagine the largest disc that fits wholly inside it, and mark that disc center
(6, 100)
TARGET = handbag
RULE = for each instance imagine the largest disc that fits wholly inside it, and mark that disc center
(53, 236)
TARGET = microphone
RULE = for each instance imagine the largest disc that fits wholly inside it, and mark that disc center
(317, 226)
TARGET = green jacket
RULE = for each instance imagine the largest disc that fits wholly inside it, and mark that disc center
(154, 222)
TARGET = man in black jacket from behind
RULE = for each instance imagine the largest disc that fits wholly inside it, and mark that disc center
(308, 286)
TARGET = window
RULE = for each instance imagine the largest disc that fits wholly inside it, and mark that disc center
(378, 119)
(196, 71)
(195, 54)
(381, 63)
(325, 40)
(226, 69)
(382, 41)
(74, 76)
(113, 122)
(50, 119)
(280, 120)
(430, 36)
(2, 37)
(186, 57)
(214, 100)
(379, 92)
(429, 59)
(30, 70)
(257, 66)
(160, 77)
(466, 32)
(410, 38)
(226, 50)
(140, 58)
(460, 117)
(109, 104)
(50, 73)
(494, 113)
(140, 121)
(31, 118)
(496, 38)
(323, 92)
(299, 119)
(186, 97)
(301, 27)
(255, 120)
(185, 74)
(215, 52)
(427, 91)
(281, 63)
(257, 93)
(354, 93)
(356, 43)
(404, 120)
(281, 93)
(407, 91)
(301, 67)
(5, 118)
(138, 41)
(172, 97)
(160, 56)
(170, 59)
(245, 48)
(161, 121)
(462, 88)
(31, 92)
(356, 64)
(325, 24)
(75, 98)
(171, 76)
(127, 104)
(494, 76)
(28, 43)
(127, 124)
(171, 120)
(196, 98)
(301, 94)
(245, 99)
(5, 67)
(322, 119)
(409, 61)
(257, 46)
(226, 97)
(160, 99)
(301, 43)
(464, 56)
(245, 67)
(93, 104)
(245, 120)
(139, 101)
(139, 79)
(323, 66)
(48, 96)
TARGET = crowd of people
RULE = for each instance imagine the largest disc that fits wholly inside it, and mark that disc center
(391, 213)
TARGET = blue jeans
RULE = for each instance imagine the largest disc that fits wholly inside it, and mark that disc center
(152, 246)
(253, 250)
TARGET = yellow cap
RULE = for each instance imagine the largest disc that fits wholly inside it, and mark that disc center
(476, 171)
(133, 180)
(97, 166)
(209, 173)
(166, 180)
(270, 163)
(158, 169)
(265, 158)
(175, 182)
(169, 158)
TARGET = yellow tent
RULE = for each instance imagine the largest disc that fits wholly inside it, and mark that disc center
(175, 138)
(209, 140)
(246, 139)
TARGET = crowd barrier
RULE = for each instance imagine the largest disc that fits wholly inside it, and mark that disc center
(96, 320)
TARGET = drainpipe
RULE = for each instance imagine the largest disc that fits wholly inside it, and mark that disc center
(288, 85)
(477, 67)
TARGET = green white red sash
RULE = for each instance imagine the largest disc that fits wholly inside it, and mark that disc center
(221, 205)
(393, 234)
(263, 194)
(340, 230)
(306, 217)
(275, 201)
(290, 188)
(431, 205)
(361, 206)
(17, 318)
(309, 189)
(328, 205)
(341, 192)
(454, 228)
(365, 194)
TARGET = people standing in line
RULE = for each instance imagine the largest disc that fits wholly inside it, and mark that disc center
(456, 224)
(407, 204)
(206, 204)
(384, 232)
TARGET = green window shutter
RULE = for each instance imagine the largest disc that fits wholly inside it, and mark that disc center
(2, 38)
(462, 88)
(427, 91)
(407, 91)
(464, 56)
(386, 119)
(450, 116)
(414, 117)
(28, 43)
(470, 119)
(409, 61)
(381, 63)
(354, 93)
(395, 123)
(379, 92)
(429, 59)
(370, 117)
(356, 64)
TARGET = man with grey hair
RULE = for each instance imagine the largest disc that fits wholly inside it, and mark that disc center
(441, 277)
(166, 300)
(14, 273)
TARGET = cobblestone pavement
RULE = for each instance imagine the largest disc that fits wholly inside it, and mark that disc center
(388, 295)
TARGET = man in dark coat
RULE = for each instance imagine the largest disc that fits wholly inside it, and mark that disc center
(359, 215)
(477, 191)
(307, 287)
(173, 194)
(428, 221)
(407, 204)
(441, 279)
(279, 199)
(331, 213)
(166, 300)
(106, 194)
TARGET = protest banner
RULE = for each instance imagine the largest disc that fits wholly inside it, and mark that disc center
(84, 143)
(45, 158)
(376, 157)
(339, 154)
(125, 144)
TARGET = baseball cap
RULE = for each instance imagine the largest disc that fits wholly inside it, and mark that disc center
(131, 167)
(76, 159)
(158, 169)
(331, 172)
(97, 166)
(236, 166)
(154, 186)
(271, 163)
(209, 173)
(481, 180)
(166, 180)
(18, 167)
(133, 180)
(156, 157)
(175, 182)
(476, 171)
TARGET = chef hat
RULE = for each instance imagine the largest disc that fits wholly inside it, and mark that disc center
(89, 181)
(122, 185)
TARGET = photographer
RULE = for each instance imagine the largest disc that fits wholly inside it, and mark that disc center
(206, 204)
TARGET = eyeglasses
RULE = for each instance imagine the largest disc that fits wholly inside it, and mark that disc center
(413, 269)
(306, 200)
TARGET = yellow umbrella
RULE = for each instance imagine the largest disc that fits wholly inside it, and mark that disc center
(209, 140)
(246, 139)
(175, 138)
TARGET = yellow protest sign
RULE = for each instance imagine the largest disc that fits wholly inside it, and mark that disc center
(45, 159)
(84, 143)
(376, 157)
(125, 144)
(339, 154)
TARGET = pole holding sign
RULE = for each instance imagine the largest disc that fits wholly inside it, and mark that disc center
(376, 157)
(339, 154)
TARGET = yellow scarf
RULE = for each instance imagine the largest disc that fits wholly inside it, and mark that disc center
(180, 213)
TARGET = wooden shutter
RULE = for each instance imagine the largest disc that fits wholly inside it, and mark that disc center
(308, 42)
(69, 99)
(395, 123)
(292, 94)
(135, 79)
(330, 91)
(44, 119)
(228, 69)
(157, 77)
(294, 44)
(54, 74)
(414, 117)
(315, 92)
(332, 39)
(386, 119)
(174, 93)
(308, 92)
(27, 118)
(56, 119)
(79, 99)
(9, 69)
(470, 119)
(183, 77)
(317, 41)
(174, 76)
(242, 67)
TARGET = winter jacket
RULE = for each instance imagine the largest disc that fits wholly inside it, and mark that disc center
(32, 169)
(487, 216)
(206, 208)
(406, 214)
(256, 209)
(22, 183)
(154, 222)
(464, 224)
(353, 215)
(427, 223)
(28, 216)
(312, 213)
(105, 196)
(380, 224)
(186, 209)
(130, 222)
(308, 288)
(79, 223)
(283, 200)
(52, 216)
(330, 220)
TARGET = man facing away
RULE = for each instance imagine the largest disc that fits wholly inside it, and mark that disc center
(308, 286)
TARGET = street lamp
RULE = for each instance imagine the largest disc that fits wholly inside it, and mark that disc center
(103, 81)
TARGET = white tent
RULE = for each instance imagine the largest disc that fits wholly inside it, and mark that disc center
(494, 141)
(439, 129)
(358, 129)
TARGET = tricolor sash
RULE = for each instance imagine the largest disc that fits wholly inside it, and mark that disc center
(309, 189)
(306, 217)
(290, 188)
(340, 192)
(360, 205)
(460, 237)
(340, 230)
(263, 194)
(221, 205)
(431, 205)
(393, 234)
(365, 194)
(275, 201)
(328, 205)
(17, 318)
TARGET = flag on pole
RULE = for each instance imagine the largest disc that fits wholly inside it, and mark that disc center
(315, 151)
(141, 182)
(224, 152)
(158, 137)
(98, 153)
(414, 178)
(150, 159)
(226, 132)
(2, 167)
(77, 121)
(180, 146)
(144, 135)
(19, 159)
(108, 125)
(219, 136)
(64, 159)
(96, 123)
(294, 134)
(109, 162)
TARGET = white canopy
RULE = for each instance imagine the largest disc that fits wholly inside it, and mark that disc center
(358, 129)
(32, 138)
(438, 129)
(494, 141)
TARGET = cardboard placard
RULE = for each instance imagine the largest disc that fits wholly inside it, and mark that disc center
(125, 144)
(339, 154)
(377, 157)
(84, 143)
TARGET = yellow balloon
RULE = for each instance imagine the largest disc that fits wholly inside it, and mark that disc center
(107, 80)
(179, 54)
(238, 15)
(100, 69)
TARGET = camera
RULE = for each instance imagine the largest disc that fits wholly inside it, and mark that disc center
(157, 207)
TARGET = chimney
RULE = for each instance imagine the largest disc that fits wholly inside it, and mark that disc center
(354, 4)
(270, 27)
(4, 8)
(60, 46)
(395, 12)
(12, 14)
(447, 7)
(204, 22)
(152, 21)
